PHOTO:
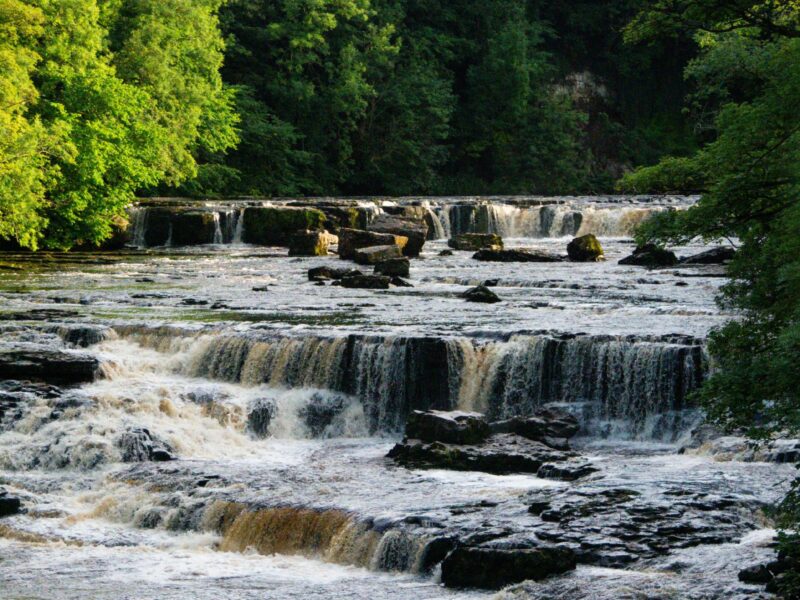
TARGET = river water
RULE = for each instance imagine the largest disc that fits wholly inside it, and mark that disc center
(197, 344)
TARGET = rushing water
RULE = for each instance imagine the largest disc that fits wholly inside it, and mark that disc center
(278, 399)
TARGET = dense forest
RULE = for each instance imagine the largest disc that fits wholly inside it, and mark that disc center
(101, 100)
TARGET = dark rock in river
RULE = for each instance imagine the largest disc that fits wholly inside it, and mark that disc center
(446, 253)
(415, 229)
(260, 413)
(550, 426)
(449, 427)
(366, 282)
(51, 366)
(192, 228)
(491, 568)
(273, 226)
(400, 282)
(9, 505)
(714, 256)
(481, 293)
(650, 255)
(139, 445)
(309, 243)
(586, 248)
(327, 273)
(351, 240)
(393, 267)
(82, 335)
(475, 241)
(493, 255)
(373, 255)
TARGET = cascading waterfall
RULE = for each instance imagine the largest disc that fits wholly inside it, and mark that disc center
(635, 388)
(138, 227)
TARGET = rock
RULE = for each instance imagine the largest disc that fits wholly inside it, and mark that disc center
(9, 505)
(415, 229)
(650, 255)
(260, 413)
(139, 445)
(83, 336)
(586, 248)
(714, 256)
(328, 273)
(51, 366)
(366, 282)
(192, 228)
(492, 568)
(351, 240)
(491, 283)
(566, 471)
(320, 412)
(373, 255)
(482, 294)
(448, 427)
(760, 574)
(274, 226)
(400, 282)
(446, 253)
(499, 454)
(475, 241)
(549, 426)
(309, 243)
(394, 267)
(494, 255)
(261, 288)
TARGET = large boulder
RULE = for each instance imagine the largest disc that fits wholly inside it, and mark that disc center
(481, 294)
(9, 505)
(416, 230)
(330, 273)
(449, 427)
(393, 267)
(495, 568)
(275, 225)
(372, 255)
(351, 240)
(650, 255)
(714, 256)
(51, 366)
(551, 427)
(498, 255)
(586, 248)
(139, 445)
(475, 241)
(192, 228)
(366, 282)
(310, 243)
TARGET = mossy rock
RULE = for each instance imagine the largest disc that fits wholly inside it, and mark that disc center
(586, 248)
(309, 243)
(475, 241)
(193, 228)
(274, 226)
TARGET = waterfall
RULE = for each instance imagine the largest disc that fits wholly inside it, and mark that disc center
(218, 239)
(138, 227)
(617, 386)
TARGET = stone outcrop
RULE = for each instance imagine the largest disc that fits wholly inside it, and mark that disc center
(714, 256)
(586, 248)
(366, 282)
(498, 255)
(549, 426)
(372, 255)
(415, 229)
(481, 294)
(274, 226)
(310, 243)
(495, 568)
(393, 267)
(650, 255)
(475, 241)
(192, 228)
(9, 505)
(330, 273)
(51, 366)
(139, 445)
(449, 427)
(351, 240)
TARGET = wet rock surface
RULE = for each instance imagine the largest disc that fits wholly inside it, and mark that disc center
(393, 267)
(352, 240)
(9, 505)
(650, 255)
(414, 229)
(495, 255)
(475, 241)
(481, 294)
(373, 255)
(586, 248)
(492, 568)
(51, 366)
(713, 256)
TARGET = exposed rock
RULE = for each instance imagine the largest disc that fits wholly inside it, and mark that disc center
(328, 273)
(351, 240)
(274, 226)
(450, 427)
(566, 471)
(482, 294)
(192, 228)
(9, 505)
(260, 413)
(415, 229)
(372, 255)
(650, 255)
(475, 241)
(400, 282)
(446, 253)
(500, 454)
(366, 282)
(494, 255)
(714, 256)
(549, 426)
(492, 568)
(81, 335)
(51, 366)
(139, 445)
(586, 248)
(320, 412)
(309, 243)
(394, 267)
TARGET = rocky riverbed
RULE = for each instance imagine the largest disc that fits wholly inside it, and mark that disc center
(223, 420)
